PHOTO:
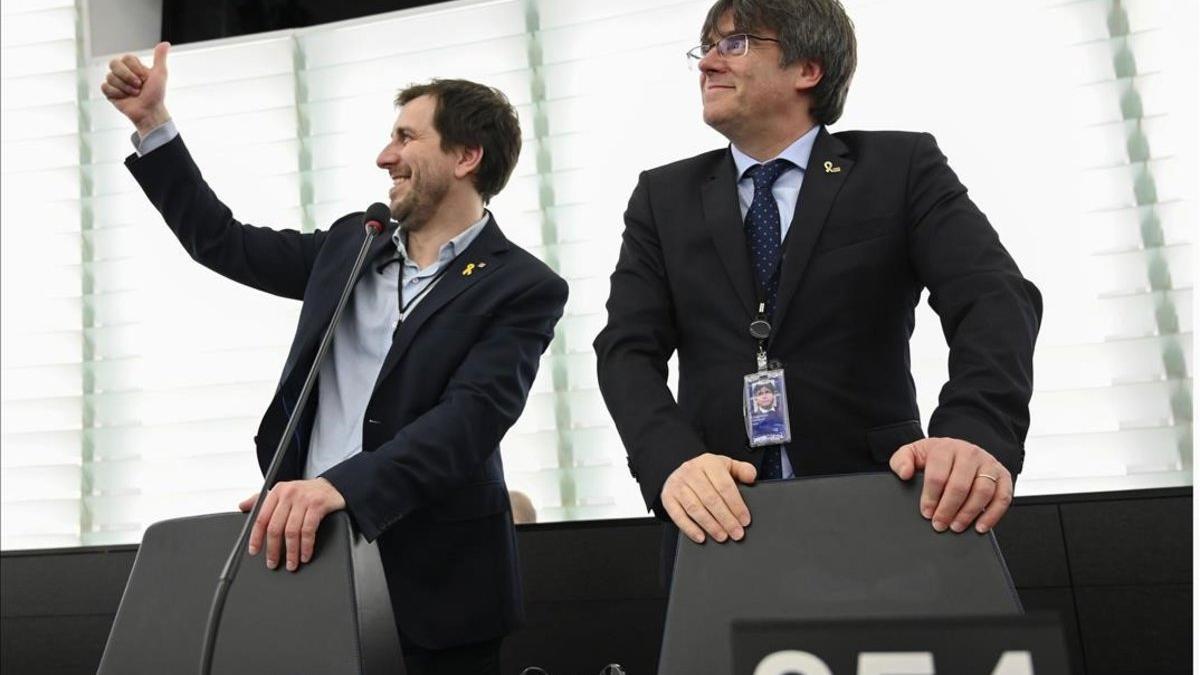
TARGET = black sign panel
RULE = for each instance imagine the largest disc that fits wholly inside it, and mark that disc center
(1013, 645)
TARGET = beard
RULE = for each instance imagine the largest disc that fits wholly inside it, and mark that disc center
(425, 194)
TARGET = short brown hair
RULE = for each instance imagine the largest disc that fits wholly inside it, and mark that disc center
(468, 114)
(808, 30)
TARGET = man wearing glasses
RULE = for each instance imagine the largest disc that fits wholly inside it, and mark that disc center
(798, 256)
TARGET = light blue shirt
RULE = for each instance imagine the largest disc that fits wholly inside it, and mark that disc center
(363, 337)
(786, 192)
(361, 342)
(787, 187)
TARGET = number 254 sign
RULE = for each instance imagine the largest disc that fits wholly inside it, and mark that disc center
(1005, 645)
(795, 662)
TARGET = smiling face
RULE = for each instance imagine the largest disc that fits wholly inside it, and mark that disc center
(750, 94)
(421, 171)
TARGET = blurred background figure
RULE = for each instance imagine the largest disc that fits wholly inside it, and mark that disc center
(522, 508)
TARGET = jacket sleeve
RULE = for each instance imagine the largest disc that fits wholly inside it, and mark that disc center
(632, 353)
(275, 261)
(443, 448)
(990, 314)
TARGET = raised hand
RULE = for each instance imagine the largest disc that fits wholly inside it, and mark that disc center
(137, 91)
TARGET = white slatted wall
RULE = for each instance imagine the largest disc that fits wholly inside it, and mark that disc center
(133, 378)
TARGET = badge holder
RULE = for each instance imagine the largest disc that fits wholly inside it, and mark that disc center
(764, 395)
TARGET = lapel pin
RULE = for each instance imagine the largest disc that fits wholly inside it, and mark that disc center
(481, 265)
(468, 269)
(830, 168)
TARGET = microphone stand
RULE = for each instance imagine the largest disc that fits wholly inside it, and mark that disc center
(374, 227)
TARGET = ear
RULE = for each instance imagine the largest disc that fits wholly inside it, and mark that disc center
(806, 75)
(469, 159)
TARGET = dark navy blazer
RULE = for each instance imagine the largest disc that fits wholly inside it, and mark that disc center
(429, 485)
(880, 217)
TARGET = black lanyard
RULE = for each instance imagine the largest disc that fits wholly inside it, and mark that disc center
(760, 325)
(404, 306)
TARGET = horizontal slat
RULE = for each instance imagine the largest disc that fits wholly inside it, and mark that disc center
(1083, 21)
(424, 30)
(32, 28)
(212, 65)
(1121, 406)
(132, 514)
(180, 405)
(49, 518)
(1081, 366)
(1027, 487)
(47, 448)
(178, 439)
(36, 483)
(153, 475)
(14, 8)
(42, 89)
(54, 55)
(1138, 272)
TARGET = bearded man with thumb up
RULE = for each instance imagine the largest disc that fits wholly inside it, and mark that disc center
(428, 368)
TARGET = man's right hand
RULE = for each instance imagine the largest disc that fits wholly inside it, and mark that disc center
(702, 497)
(137, 91)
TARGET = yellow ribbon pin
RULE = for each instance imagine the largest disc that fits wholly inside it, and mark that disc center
(830, 168)
(468, 269)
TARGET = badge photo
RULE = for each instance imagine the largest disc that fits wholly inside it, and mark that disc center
(764, 396)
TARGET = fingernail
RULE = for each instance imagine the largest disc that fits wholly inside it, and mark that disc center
(303, 558)
(272, 563)
(699, 540)
(721, 538)
(291, 565)
(926, 512)
(957, 527)
(939, 526)
(253, 549)
(981, 528)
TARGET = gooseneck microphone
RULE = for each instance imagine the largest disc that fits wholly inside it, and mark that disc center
(375, 220)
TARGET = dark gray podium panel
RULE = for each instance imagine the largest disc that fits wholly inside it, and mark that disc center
(837, 547)
(331, 616)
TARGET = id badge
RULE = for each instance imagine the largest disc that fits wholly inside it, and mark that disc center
(764, 403)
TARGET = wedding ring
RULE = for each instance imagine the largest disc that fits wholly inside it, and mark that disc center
(994, 479)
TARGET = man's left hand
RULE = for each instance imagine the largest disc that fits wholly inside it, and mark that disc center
(289, 519)
(963, 483)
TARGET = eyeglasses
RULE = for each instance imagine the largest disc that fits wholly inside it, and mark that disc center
(730, 45)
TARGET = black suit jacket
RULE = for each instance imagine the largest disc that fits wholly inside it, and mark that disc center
(880, 216)
(429, 485)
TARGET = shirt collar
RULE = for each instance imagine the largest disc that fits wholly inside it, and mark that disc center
(797, 153)
(448, 250)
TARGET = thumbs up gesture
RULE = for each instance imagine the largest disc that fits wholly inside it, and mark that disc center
(137, 91)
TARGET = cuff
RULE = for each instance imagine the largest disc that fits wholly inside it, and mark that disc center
(158, 137)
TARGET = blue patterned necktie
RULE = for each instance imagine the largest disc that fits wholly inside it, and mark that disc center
(763, 228)
(763, 235)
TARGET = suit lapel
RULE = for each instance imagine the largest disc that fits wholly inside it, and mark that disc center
(828, 167)
(723, 216)
(486, 249)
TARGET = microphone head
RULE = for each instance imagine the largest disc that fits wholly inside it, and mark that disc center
(377, 217)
